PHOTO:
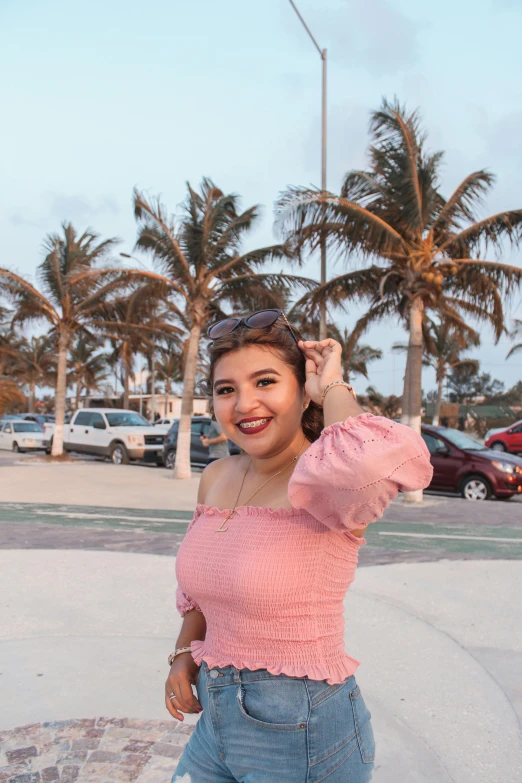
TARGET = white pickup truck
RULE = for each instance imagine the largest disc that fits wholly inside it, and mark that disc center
(120, 435)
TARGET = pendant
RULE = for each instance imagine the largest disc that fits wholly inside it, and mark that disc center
(222, 529)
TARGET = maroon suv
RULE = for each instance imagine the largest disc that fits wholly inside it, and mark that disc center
(462, 464)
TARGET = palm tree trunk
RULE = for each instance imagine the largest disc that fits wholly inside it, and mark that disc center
(182, 469)
(168, 389)
(411, 411)
(405, 407)
(126, 379)
(78, 390)
(61, 390)
(32, 397)
(438, 402)
(153, 389)
(126, 357)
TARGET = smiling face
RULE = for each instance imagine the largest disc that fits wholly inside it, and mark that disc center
(257, 400)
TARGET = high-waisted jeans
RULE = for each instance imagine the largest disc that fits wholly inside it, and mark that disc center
(258, 727)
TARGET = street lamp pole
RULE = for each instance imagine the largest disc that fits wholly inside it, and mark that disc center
(324, 129)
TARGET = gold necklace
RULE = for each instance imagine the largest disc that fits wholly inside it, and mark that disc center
(222, 529)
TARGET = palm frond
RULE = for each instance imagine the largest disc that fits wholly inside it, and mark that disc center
(489, 232)
(310, 217)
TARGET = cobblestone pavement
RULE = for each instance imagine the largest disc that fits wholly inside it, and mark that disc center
(92, 750)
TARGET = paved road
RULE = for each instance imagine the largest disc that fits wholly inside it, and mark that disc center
(445, 528)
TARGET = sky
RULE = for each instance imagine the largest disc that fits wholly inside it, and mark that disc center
(100, 97)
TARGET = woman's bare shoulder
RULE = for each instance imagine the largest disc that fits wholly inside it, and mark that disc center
(218, 470)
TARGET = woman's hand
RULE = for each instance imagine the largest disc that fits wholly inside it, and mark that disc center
(323, 365)
(182, 676)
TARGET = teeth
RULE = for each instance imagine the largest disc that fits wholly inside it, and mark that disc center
(253, 423)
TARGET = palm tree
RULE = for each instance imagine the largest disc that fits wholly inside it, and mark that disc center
(87, 368)
(200, 260)
(427, 251)
(35, 364)
(134, 322)
(355, 357)
(380, 405)
(10, 394)
(72, 292)
(169, 366)
(515, 332)
(394, 212)
(444, 343)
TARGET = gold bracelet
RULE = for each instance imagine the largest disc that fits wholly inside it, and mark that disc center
(338, 383)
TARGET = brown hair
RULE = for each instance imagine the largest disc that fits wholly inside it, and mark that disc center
(277, 337)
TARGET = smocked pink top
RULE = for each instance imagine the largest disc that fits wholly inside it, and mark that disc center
(272, 587)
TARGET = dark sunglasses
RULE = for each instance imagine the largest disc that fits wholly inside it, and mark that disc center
(260, 320)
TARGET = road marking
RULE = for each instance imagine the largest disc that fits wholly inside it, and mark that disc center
(460, 538)
(78, 515)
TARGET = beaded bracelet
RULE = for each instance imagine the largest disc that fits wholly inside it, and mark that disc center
(178, 651)
(338, 383)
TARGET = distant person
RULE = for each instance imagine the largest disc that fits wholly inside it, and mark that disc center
(216, 441)
(266, 561)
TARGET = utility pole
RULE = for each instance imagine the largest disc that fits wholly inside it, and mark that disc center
(324, 131)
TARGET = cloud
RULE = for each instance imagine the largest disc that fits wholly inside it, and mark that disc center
(65, 208)
(76, 208)
(372, 35)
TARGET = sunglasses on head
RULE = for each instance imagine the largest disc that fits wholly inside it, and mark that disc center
(262, 319)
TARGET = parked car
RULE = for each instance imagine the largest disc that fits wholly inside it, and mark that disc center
(20, 435)
(507, 439)
(462, 464)
(199, 454)
(48, 428)
(120, 435)
(164, 425)
(39, 418)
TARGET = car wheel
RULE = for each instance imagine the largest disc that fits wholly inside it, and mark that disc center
(119, 455)
(475, 488)
(171, 459)
(498, 446)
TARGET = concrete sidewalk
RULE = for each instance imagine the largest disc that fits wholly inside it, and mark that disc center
(85, 634)
(89, 483)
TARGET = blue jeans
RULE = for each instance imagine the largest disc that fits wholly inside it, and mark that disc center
(258, 727)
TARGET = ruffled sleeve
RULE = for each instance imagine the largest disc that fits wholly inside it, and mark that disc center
(347, 478)
(184, 603)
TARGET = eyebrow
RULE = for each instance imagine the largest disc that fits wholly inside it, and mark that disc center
(253, 375)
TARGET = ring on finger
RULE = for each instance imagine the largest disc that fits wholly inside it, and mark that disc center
(173, 696)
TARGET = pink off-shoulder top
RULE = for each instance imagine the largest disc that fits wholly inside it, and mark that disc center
(272, 587)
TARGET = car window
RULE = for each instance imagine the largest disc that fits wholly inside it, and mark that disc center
(196, 427)
(126, 419)
(516, 430)
(7, 428)
(433, 443)
(26, 426)
(463, 441)
(97, 419)
(83, 418)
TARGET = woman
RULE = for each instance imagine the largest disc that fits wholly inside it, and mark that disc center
(261, 585)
